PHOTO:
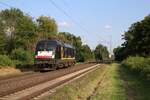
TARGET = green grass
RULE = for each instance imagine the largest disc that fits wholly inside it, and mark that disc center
(101, 84)
(111, 87)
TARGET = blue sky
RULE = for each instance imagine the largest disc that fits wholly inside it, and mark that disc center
(103, 19)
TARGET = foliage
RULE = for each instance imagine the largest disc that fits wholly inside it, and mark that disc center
(119, 53)
(101, 52)
(22, 55)
(5, 61)
(46, 26)
(140, 65)
(17, 29)
(137, 40)
(2, 38)
(26, 33)
(87, 53)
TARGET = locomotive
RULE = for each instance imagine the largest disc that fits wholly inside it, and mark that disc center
(53, 54)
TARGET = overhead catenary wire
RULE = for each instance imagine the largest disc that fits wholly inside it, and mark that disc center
(84, 29)
(5, 4)
(74, 21)
(66, 14)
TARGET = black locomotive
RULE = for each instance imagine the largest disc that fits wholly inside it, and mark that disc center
(53, 54)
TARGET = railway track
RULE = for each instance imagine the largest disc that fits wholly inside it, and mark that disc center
(24, 74)
(28, 87)
(16, 77)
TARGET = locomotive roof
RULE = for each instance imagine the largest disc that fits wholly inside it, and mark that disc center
(56, 42)
(68, 45)
(53, 42)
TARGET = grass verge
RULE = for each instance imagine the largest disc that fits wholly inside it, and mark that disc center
(111, 87)
(101, 84)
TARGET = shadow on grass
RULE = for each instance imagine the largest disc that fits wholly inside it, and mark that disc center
(137, 87)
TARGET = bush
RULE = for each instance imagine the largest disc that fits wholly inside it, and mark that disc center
(6, 61)
(21, 55)
(140, 65)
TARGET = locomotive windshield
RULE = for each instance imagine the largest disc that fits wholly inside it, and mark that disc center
(40, 46)
(45, 46)
(45, 49)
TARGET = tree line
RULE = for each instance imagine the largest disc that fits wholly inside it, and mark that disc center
(135, 51)
(19, 33)
(137, 41)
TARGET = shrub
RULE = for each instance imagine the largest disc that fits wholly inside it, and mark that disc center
(21, 55)
(140, 65)
(6, 61)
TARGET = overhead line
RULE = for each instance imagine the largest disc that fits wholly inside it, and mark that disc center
(66, 14)
(6, 4)
(74, 21)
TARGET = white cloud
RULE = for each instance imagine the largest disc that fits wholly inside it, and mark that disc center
(108, 27)
(63, 24)
(122, 33)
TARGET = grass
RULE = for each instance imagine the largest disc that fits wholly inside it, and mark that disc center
(137, 87)
(101, 84)
(111, 87)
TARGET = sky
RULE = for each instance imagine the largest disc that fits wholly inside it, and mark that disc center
(95, 21)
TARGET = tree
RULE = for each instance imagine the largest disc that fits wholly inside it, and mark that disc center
(87, 53)
(2, 38)
(119, 53)
(26, 33)
(137, 40)
(46, 26)
(101, 52)
(9, 19)
(17, 28)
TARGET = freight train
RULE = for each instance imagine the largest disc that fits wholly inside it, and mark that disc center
(53, 54)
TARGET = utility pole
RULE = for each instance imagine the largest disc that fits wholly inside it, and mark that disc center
(110, 46)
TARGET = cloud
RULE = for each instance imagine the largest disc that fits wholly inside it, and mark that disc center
(122, 33)
(63, 24)
(108, 27)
